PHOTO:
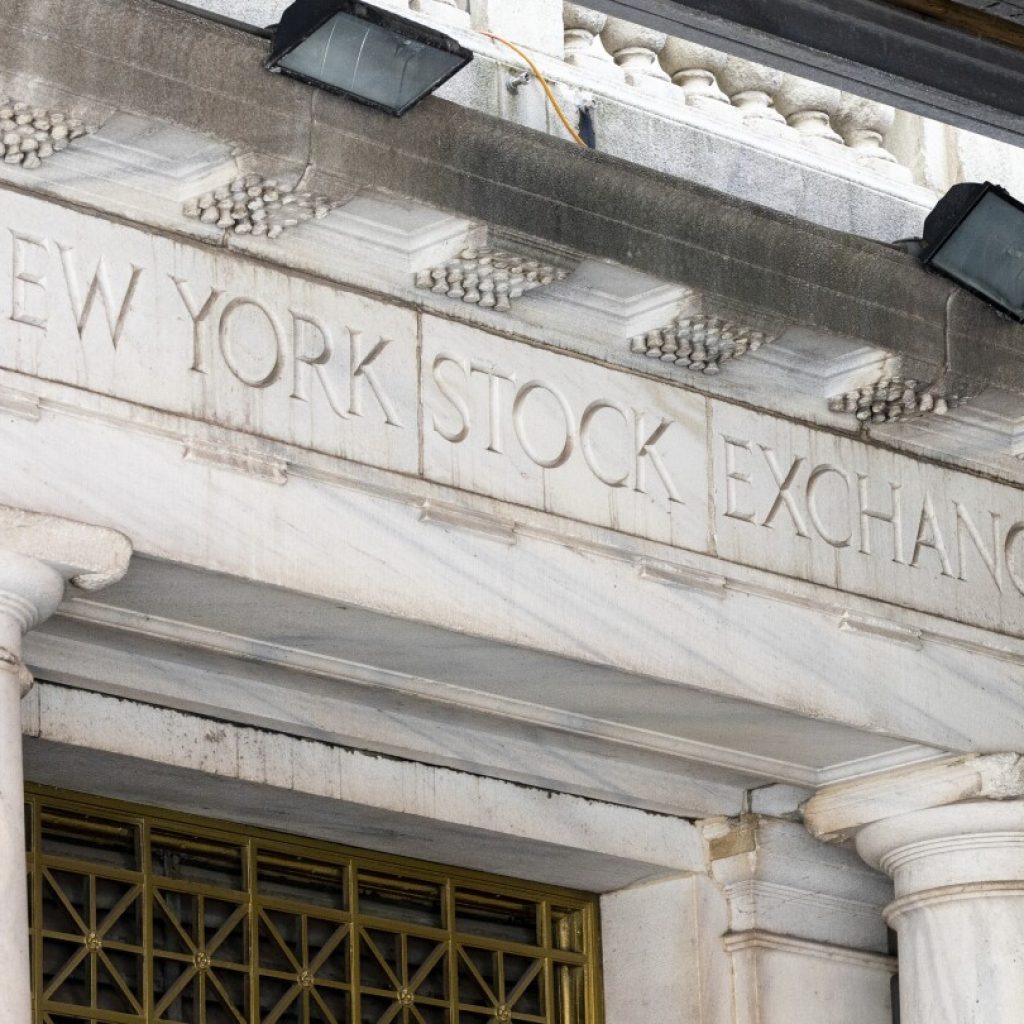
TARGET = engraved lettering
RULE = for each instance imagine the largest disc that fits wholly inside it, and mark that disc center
(733, 476)
(494, 412)
(519, 424)
(364, 370)
(447, 389)
(199, 315)
(1011, 555)
(28, 286)
(893, 518)
(587, 442)
(99, 285)
(965, 528)
(817, 475)
(307, 364)
(783, 497)
(647, 452)
(229, 348)
(930, 536)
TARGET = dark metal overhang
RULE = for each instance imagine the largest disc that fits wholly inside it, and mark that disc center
(937, 58)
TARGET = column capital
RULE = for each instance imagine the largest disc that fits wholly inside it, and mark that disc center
(89, 557)
(39, 554)
(838, 812)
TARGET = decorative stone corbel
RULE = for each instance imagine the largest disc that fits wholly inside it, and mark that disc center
(488, 277)
(29, 135)
(253, 205)
(700, 342)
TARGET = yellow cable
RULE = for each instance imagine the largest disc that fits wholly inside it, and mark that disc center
(544, 84)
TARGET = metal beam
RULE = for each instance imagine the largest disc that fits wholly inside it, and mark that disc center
(932, 57)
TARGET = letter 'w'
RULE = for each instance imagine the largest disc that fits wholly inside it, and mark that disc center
(100, 285)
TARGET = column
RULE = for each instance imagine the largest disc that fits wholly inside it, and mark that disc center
(39, 554)
(951, 836)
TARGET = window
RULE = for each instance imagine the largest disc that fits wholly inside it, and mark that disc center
(145, 917)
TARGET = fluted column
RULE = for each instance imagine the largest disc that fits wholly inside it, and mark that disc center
(38, 555)
(951, 836)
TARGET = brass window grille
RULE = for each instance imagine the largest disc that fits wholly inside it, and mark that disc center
(141, 916)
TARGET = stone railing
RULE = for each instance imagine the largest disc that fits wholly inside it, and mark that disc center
(734, 91)
(680, 76)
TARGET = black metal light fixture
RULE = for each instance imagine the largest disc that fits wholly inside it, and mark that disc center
(975, 235)
(365, 53)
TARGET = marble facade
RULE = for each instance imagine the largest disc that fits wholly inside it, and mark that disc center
(298, 530)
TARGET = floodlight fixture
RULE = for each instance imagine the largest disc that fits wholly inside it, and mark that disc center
(368, 54)
(975, 235)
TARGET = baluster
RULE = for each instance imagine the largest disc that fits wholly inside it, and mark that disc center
(582, 27)
(635, 49)
(443, 10)
(809, 107)
(751, 87)
(694, 68)
(864, 124)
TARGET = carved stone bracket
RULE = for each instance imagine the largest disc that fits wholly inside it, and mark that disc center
(489, 278)
(253, 205)
(29, 135)
(701, 342)
(895, 397)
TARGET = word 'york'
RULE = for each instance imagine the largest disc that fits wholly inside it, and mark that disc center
(259, 345)
(854, 511)
(550, 441)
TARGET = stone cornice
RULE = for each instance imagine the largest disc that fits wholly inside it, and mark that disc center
(837, 812)
(523, 180)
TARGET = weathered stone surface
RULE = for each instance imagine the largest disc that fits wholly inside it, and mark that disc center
(534, 428)
(201, 333)
(113, 52)
(808, 504)
(225, 340)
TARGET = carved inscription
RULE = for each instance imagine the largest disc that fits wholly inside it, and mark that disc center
(550, 441)
(139, 317)
(213, 337)
(839, 512)
(536, 428)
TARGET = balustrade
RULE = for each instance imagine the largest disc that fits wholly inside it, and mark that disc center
(582, 45)
(864, 124)
(695, 69)
(751, 88)
(635, 48)
(443, 10)
(809, 108)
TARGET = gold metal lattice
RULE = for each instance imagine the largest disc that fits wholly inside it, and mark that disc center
(146, 917)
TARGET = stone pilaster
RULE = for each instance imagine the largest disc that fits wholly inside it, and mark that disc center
(806, 939)
(951, 836)
(38, 555)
